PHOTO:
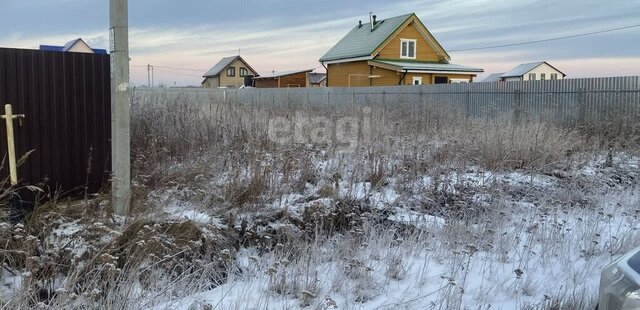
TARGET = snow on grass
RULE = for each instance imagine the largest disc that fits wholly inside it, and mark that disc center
(517, 254)
(525, 257)
(522, 251)
(473, 238)
(181, 213)
(416, 219)
(176, 209)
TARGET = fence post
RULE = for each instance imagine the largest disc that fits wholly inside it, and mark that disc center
(468, 104)
(582, 112)
(353, 100)
(517, 112)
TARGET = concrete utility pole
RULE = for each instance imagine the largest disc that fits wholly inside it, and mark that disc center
(120, 106)
(149, 75)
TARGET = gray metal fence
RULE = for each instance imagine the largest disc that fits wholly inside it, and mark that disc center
(590, 101)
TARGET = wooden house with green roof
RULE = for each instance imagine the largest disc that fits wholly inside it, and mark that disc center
(394, 51)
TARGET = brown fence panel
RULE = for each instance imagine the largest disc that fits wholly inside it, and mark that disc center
(67, 103)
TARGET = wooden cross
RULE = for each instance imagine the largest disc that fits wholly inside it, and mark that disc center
(9, 116)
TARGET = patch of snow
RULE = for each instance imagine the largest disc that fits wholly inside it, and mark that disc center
(419, 220)
(356, 191)
(178, 213)
(383, 198)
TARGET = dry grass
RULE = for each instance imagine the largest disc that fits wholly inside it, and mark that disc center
(220, 157)
(179, 142)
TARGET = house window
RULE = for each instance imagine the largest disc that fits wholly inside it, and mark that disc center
(231, 71)
(532, 76)
(417, 80)
(440, 80)
(243, 71)
(543, 76)
(554, 76)
(408, 48)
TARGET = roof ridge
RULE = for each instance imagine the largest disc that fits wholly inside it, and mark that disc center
(361, 41)
(225, 62)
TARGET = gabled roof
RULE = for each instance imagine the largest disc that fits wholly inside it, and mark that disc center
(494, 77)
(317, 78)
(52, 48)
(425, 66)
(522, 69)
(72, 43)
(223, 63)
(282, 73)
(69, 45)
(361, 41)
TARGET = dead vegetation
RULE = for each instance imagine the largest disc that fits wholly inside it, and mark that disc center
(220, 158)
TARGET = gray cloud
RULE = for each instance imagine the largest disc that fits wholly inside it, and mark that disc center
(283, 34)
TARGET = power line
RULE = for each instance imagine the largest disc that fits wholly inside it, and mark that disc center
(546, 40)
(178, 73)
(170, 68)
(184, 69)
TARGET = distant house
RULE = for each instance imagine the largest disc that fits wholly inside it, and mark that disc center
(230, 72)
(317, 79)
(534, 71)
(494, 77)
(75, 46)
(394, 51)
(298, 78)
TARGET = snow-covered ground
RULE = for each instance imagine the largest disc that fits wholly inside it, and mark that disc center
(446, 212)
(526, 242)
(462, 239)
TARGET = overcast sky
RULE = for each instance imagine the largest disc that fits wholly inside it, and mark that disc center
(285, 35)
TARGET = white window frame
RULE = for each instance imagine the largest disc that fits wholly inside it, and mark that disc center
(457, 81)
(543, 76)
(415, 48)
(532, 75)
(416, 79)
(554, 76)
(229, 70)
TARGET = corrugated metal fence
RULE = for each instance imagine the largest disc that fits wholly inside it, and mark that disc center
(571, 102)
(67, 103)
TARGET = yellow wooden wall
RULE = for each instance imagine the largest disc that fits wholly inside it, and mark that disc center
(294, 80)
(210, 82)
(426, 78)
(387, 77)
(236, 81)
(454, 76)
(338, 74)
(424, 52)
(267, 83)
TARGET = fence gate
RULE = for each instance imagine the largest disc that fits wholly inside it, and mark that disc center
(66, 100)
